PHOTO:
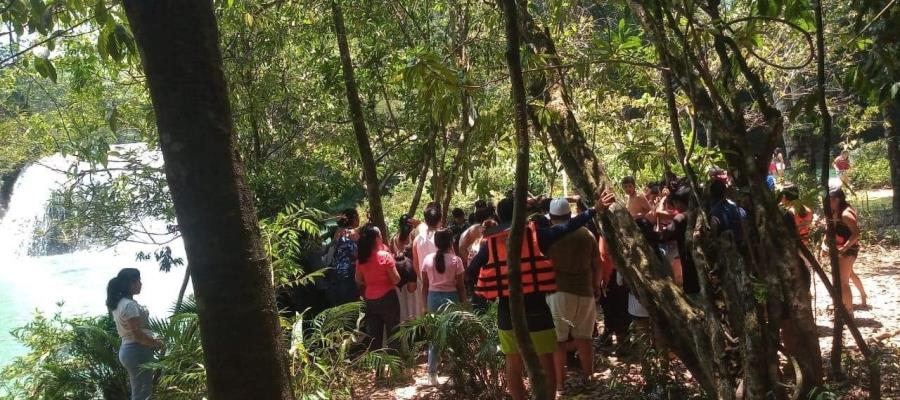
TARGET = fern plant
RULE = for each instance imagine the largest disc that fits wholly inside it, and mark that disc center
(69, 358)
(181, 372)
(328, 353)
(289, 238)
(469, 343)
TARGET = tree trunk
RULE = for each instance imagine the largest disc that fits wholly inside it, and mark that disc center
(837, 332)
(892, 114)
(539, 387)
(370, 171)
(423, 176)
(243, 350)
(646, 274)
(184, 284)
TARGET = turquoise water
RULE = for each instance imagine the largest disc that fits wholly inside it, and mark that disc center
(78, 281)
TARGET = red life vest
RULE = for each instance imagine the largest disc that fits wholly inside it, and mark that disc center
(538, 275)
(803, 224)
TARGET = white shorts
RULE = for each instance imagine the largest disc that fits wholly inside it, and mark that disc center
(572, 315)
(635, 308)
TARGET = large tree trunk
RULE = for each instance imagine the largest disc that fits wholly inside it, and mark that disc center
(691, 329)
(695, 331)
(517, 230)
(370, 171)
(243, 350)
(892, 114)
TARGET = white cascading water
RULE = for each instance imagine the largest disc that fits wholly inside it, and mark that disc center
(77, 280)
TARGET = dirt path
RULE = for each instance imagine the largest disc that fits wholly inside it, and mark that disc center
(879, 269)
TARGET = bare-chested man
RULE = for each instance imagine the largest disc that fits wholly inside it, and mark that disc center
(638, 206)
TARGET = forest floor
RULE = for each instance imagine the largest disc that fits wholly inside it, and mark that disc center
(878, 266)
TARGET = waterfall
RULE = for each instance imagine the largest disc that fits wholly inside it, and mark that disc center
(77, 279)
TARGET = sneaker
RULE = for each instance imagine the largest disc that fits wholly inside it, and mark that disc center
(433, 380)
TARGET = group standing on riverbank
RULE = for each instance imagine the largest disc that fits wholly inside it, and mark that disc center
(568, 276)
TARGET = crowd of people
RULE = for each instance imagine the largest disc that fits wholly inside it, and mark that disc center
(568, 276)
(567, 273)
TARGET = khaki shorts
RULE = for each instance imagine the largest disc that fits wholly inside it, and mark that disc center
(573, 315)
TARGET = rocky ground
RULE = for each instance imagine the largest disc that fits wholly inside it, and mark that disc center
(879, 322)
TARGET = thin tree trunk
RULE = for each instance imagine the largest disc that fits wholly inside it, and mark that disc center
(370, 171)
(873, 364)
(837, 332)
(892, 114)
(184, 284)
(423, 176)
(243, 349)
(517, 230)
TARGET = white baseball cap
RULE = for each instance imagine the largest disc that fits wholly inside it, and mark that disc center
(560, 208)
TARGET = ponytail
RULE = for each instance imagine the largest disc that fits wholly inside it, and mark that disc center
(119, 287)
(443, 239)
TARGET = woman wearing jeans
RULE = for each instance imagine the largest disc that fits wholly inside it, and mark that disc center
(443, 282)
(132, 324)
(376, 272)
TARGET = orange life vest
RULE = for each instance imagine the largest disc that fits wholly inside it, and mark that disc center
(537, 270)
(803, 224)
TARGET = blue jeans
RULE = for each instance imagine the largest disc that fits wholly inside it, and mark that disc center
(435, 301)
(133, 356)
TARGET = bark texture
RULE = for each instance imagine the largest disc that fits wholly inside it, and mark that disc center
(370, 170)
(517, 230)
(837, 331)
(701, 332)
(243, 349)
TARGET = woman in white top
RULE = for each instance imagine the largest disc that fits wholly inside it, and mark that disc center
(423, 245)
(133, 326)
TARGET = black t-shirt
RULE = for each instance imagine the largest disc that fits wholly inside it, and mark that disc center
(537, 313)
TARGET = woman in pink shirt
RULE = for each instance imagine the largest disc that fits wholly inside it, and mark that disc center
(376, 273)
(442, 280)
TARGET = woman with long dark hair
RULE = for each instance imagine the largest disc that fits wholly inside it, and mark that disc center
(376, 273)
(846, 233)
(442, 282)
(132, 324)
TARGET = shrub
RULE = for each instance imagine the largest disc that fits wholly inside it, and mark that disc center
(469, 343)
(871, 169)
(327, 354)
(70, 358)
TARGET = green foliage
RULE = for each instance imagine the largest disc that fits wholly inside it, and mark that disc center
(182, 371)
(870, 166)
(469, 343)
(69, 358)
(290, 238)
(327, 357)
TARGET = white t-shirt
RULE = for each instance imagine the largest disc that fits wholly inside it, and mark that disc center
(126, 310)
(424, 245)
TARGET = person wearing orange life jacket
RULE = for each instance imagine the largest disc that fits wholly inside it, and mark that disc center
(802, 215)
(489, 265)
(493, 285)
